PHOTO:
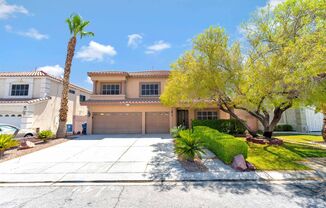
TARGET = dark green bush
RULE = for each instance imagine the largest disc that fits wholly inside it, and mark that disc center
(283, 127)
(229, 126)
(224, 146)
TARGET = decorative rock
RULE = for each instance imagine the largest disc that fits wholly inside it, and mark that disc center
(26, 144)
(250, 166)
(276, 141)
(239, 163)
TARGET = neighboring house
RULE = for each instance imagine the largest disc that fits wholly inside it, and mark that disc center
(128, 102)
(32, 100)
(303, 119)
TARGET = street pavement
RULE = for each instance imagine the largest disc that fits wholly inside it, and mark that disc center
(186, 194)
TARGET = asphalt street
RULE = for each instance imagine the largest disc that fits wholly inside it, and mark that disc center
(182, 194)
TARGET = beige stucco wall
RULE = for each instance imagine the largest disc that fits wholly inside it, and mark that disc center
(133, 85)
(251, 121)
(129, 86)
(132, 108)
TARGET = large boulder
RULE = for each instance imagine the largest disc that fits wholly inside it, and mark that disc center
(239, 163)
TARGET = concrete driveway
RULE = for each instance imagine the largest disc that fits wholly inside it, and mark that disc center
(97, 157)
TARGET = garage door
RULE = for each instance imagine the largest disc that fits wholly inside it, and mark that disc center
(115, 123)
(11, 119)
(157, 122)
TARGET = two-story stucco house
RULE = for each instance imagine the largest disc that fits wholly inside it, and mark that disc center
(32, 100)
(128, 102)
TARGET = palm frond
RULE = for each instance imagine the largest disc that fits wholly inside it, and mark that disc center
(77, 26)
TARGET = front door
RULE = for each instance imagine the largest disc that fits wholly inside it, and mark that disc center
(182, 118)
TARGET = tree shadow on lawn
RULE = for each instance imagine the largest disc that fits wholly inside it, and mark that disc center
(164, 166)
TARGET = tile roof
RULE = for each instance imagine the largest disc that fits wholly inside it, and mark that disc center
(23, 74)
(23, 100)
(149, 73)
(123, 102)
(38, 74)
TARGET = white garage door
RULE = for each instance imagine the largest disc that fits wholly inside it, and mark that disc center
(12, 119)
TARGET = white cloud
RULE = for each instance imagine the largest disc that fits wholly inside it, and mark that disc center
(33, 33)
(134, 40)
(95, 51)
(89, 80)
(7, 10)
(30, 33)
(157, 47)
(55, 70)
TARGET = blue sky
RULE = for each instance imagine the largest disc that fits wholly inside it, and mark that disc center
(130, 35)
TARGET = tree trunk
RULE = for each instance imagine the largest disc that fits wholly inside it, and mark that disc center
(324, 128)
(61, 132)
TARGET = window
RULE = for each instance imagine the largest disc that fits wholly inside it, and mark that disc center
(19, 90)
(206, 115)
(72, 91)
(111, 89)
(150, 89)
(82, 98)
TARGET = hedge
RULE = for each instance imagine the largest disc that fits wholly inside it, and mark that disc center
(229, 126)
(283, 127)
(224, 146)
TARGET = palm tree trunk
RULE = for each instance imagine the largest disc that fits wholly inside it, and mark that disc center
(61, 132)
(324, 128)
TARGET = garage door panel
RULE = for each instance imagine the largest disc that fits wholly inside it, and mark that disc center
(112, 123)
(157, 122)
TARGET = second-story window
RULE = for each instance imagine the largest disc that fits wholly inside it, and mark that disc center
(150, 89)
(72, 91)
(19, 90)
(82, 98)
(111, 89)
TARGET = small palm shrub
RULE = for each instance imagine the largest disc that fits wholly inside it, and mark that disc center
(7, 142)
(188, 146)
(45, 135)
(176, 130)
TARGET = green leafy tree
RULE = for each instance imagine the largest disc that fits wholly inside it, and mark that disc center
(285, 52)
(77, 28)
(316, 96)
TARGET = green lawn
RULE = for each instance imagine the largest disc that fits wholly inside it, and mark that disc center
(301, 138)
(285, 157)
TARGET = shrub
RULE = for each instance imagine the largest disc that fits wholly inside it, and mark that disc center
(188, 146)
(284, 127)
(176, 130)
(7, 142)
(229, 126)
(224, 146)
(45, 135)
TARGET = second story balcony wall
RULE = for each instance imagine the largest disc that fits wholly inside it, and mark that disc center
(108, 97)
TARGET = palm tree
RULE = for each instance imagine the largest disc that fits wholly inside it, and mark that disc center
(76, 26)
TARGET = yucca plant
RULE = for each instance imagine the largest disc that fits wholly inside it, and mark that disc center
(6, 142)
(176, 130)
(189, 146)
